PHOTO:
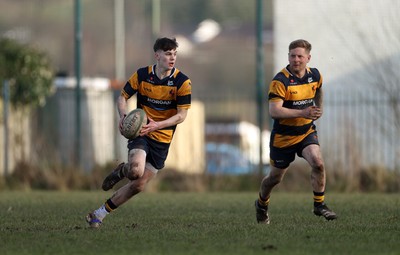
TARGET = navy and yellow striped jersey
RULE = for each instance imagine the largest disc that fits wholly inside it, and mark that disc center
(160, 99)
(296, 93)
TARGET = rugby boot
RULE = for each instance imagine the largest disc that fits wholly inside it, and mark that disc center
(323, 210)
(261, 213)
(113, 178)
(93, 221)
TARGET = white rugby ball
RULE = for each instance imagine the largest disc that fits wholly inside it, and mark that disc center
(133, 123)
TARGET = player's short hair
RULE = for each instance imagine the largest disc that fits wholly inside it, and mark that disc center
(165, 44)
(300, 43)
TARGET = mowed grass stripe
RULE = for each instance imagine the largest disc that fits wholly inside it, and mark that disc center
(197, 223)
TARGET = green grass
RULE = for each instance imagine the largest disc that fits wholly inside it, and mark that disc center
(197, 223)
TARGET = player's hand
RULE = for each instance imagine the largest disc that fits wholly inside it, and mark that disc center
(121, 120)
(149, 127)
(313, 112)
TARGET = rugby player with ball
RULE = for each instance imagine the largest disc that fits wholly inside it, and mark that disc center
(164, 94)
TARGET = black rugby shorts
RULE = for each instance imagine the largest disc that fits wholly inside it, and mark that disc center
(282, 157)
(156, 152)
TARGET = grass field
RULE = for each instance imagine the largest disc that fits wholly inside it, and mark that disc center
(197, 223)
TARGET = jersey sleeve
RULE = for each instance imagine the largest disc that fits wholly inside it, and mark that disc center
(318, 77)
(277, 91)
(320, 81)
(184, 94)
(131, 86)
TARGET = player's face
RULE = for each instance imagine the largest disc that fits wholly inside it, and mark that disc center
(166, 59)
(298, 59)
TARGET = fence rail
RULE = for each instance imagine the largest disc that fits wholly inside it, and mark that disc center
(359, 127)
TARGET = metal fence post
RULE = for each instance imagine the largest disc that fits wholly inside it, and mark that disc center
(260, 79)
(6, 96)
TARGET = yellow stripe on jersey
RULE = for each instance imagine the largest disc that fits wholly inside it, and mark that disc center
(163, 135)
(157, 92)
(295, 122)
(278, 91)
(157, 115)
(301, 92)
(283, 141)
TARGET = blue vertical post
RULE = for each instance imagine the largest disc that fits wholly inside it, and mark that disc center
(260, 78)
(78, 39)
(6, 99)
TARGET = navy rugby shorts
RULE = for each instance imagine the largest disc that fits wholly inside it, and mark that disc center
(156, 152)
(282, 157)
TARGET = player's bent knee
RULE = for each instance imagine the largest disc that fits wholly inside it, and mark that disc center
(133, 175)
(135, 171)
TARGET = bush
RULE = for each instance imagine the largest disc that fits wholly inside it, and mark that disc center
(377, 178)
(297, 179)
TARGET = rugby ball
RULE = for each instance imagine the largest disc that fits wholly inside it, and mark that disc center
(133, 123)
